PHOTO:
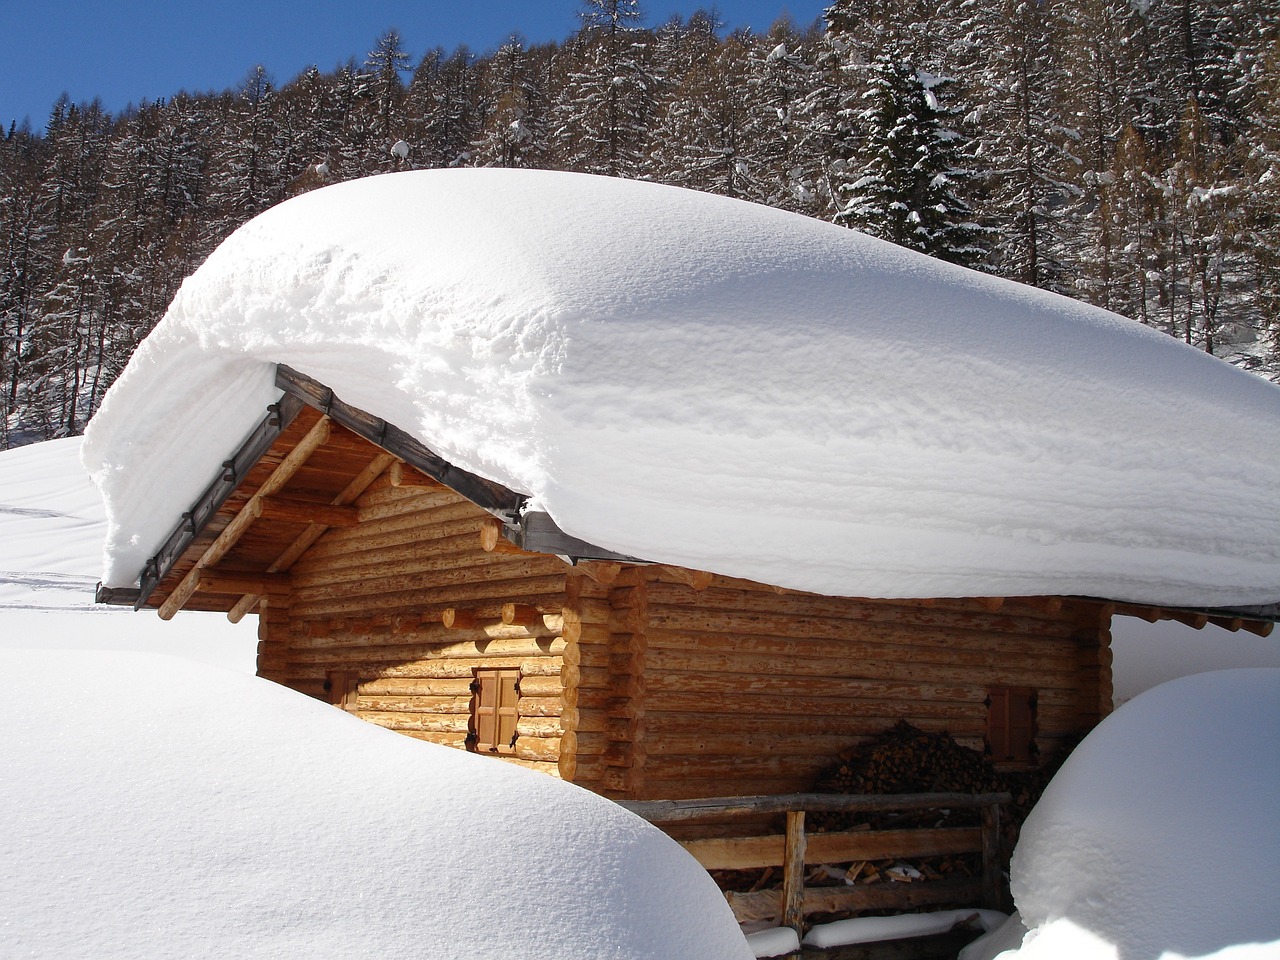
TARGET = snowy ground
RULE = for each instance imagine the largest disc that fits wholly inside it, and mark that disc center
(51, 533)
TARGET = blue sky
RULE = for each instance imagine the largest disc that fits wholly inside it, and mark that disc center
(133, 50)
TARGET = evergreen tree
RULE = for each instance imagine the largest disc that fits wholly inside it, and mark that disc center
(601, 118)
(909, 191)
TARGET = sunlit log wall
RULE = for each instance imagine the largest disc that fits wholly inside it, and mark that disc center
(651, 682)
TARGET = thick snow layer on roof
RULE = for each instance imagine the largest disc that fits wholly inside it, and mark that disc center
(1159, 835)
(152, 807)
(701, 381)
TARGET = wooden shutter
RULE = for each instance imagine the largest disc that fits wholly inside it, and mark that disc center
(495, 704)
(341, 687)
(1011, 724)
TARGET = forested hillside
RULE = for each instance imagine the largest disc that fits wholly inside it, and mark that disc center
(1125, 152)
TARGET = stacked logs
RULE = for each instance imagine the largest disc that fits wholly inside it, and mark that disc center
(906, 759)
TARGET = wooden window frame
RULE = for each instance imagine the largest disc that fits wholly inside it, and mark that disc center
(1011, 726)
(495, 692)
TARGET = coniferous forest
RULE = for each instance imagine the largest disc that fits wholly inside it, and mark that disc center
(1124, 152)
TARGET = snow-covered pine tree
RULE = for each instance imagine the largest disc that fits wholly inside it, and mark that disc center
(776, 167)
(699, 135)
(913, 166)
(600, 120)
(385, 64)
(1024, 135)
(513, 134)
(445, 113)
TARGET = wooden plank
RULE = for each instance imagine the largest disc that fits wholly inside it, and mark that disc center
(671, 811)
(315, 438)
(750, 853)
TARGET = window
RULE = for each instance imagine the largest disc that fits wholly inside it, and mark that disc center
(1011, 725)
(340, 685)
(495, 700)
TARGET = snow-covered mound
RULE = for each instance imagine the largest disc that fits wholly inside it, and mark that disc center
(702, 381)
(1159, 836)
(151, 807)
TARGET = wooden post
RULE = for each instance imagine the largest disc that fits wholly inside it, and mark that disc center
(793, 873)
(992, 888)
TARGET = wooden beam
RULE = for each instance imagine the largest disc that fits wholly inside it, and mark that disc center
(208, 581)
(303, 511)
(315, 530)
(316, 437)
(1196, 621)
(793, 873)
(279, 417)
(1262, 628)
(243, 607)
(752, 853)
(403, 475)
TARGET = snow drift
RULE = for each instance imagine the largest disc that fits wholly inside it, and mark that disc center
(154, 807)
(1158, 838)
(706, 382)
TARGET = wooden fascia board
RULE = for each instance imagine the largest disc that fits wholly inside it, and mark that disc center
(279, 416)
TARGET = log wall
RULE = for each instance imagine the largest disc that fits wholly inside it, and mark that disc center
(371, 599)
(652, 682)
(750, 690)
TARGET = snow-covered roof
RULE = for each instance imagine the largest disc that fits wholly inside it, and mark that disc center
(702, 381)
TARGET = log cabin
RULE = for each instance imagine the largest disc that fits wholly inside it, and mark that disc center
(665, 552)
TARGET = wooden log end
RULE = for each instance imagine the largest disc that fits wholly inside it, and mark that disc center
(458, 618)
(520, 613)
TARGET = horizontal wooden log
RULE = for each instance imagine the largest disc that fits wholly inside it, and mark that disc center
(459, 590)
(538, 748)
(291, 510)
(323, 590)
(459, 617)
(866, 660)
(538, 706)
(897, 897)
(708, 807)
(479, 651)
(416, 721)
(1024, 618)
(699, 580)
(541, 687)
(883, 676)
(522, 613)
(749, 853)
(403, 704)
(358, 555)
(238, 583)
(527, 726)
(416, 687)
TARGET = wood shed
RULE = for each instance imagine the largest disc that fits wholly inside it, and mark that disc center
(420, 598)
(672, 496)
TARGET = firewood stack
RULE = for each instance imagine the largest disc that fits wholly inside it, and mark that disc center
(905, 759)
